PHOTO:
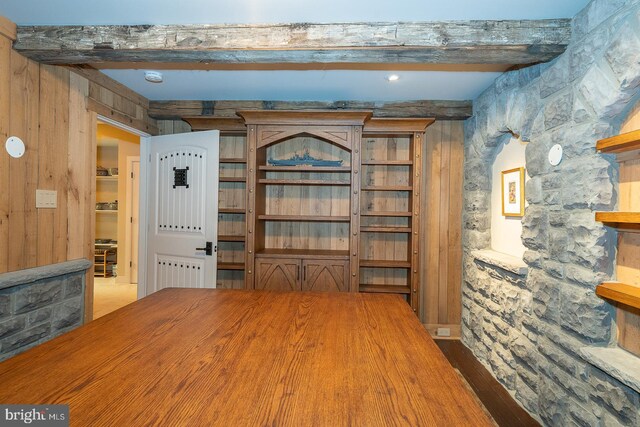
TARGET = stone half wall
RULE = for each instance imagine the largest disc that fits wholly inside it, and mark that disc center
(39, 304)
(528, 326)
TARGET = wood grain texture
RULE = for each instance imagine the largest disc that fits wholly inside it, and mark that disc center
(449, 42)
(441, 206)
(628, 321)
(618, 217)
(5, 160)
(620, 292)
(196, 356)
(616, 144)
(199, 113)
(7, 28)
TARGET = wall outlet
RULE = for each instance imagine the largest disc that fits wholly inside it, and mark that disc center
(443, 332)
(46, 199)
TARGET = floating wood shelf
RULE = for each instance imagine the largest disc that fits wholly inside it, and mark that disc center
(386, 289)
(106, 211)
(304, 218)
(233, 160)
(230, 266)
(388, 162)
(620, 292)
(617, 144)
(233, 179)
(381, 213)
(226, 238)
(231, 210)
(110, 178)
(303, 253)
(305, 168)
(302, 182)
(386, 229)
(620, 219)
(387, 188)
(384, 263)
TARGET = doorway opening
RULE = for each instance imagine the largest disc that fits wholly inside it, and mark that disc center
(116, 222)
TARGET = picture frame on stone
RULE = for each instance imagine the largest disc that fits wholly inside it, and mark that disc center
(513, 192)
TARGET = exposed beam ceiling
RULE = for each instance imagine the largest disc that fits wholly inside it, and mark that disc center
(449, 42)
(442, 110)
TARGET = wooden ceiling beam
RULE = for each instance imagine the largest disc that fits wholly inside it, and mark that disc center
(448, 42)
(442, 110)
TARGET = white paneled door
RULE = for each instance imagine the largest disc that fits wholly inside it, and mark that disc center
(182, 210)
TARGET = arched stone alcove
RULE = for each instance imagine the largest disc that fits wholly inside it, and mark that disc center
(529, 330)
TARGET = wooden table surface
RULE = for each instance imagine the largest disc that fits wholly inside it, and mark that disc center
(235, 358)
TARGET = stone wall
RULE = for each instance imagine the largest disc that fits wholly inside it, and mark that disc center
(40, 303)
(528, 331)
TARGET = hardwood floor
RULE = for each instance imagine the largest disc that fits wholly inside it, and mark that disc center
(504, 410)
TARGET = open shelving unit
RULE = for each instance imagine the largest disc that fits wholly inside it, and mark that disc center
(625, 292)
(354, 227)
(390, 206)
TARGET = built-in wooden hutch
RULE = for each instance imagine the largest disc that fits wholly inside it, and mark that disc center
(352, 226)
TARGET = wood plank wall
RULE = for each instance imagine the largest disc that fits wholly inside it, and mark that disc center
(49, 108)
(441, 247)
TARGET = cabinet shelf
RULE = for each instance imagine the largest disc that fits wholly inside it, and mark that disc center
(227, 238)
(374, 263)
(230, 266)
(305, 168)
(381, 213)
(233, 160)
(620, 143)
(386, 229)
(106, 211)
(302, 182)
(620, 292)
(304, 218)
(619, 219)
(231, 210)
(303, 253)
(386, 289)
(110, 178)
(233, 179)
(387, 162)
(387, 188)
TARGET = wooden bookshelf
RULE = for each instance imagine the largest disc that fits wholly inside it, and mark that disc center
(386, 289)
(387, 188)
(304, 168)
(227, 238)
(387, 214)
(386, 229)
(231, 210)
(230, 266)
(233, 160)
(620, 143)
(233, 179)
(380, 263)
(305, 218)
(620, 292)
(301, 182)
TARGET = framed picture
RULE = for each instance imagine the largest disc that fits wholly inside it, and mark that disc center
(513, 192)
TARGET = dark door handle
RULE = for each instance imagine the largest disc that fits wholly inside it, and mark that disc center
(208, 249)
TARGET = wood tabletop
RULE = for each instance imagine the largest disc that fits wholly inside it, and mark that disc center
(236, 358)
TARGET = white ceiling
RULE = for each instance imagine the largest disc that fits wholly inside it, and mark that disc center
(321, 85)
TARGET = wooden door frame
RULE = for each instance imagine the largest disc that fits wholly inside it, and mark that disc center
(142, 135)
(128, 213)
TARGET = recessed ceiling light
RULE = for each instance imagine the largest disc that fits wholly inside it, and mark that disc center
(393, 77)
(153, 76)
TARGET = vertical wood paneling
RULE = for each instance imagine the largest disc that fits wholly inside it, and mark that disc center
(5, 114)
(52, 174)
(25, 89)
(442, 215)
(454, 271)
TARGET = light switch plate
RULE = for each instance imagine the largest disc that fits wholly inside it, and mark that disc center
(46, 199)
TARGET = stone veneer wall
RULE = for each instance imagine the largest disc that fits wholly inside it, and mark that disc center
(528, 330)
(40, 303)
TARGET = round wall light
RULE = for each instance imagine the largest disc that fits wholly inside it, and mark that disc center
(555, 155)
(15, 147)
(153, 76)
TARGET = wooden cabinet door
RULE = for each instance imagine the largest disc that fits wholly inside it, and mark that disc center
(325, 275)
(277, 274)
